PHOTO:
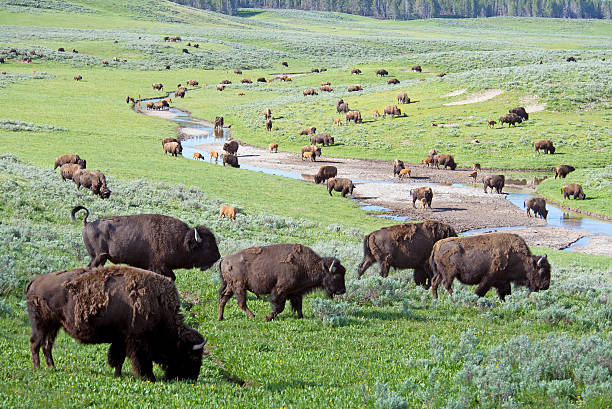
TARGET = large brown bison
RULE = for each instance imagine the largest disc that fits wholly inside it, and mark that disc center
(398, 165)
(168, 140)
(261, 79)
(382, 72)
(155, 242)
(445, 160)
(173, 148)
(563, 170)
(231, 147)
(342, 106)
(355, 87)
(494, 182)
(545, 145)
(538, 205)
(136, 311)
(325, 173)
(402, 97)
(225, 82)
(340, 185)
(326, 88)
(489, 260)
(238, 72)
(573, 190)
(78, 77)
(356, 71)
(393, 81)
(404, 246)
(416, 68)
(158, 86)
(92, 180)
(353, 116)
(231, 160)
(520, 111)
(316, 151)
(308, 131)
(67, 170)
(246, 81)
(313, 70)
(510, 119)
(192, 83)
(421, 193)
(310, 91)
(323, 138)
(69, 158)
(392, 110)
(267, 113)
(285, 271)
(218, 122)
(268, 125)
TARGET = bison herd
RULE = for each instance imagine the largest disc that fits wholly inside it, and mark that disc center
(72, 167)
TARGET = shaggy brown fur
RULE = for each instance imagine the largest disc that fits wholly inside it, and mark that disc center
(231, 160)
(393, 81)
(273, 147)
(69, 158)
(416, 68)
(398, 165)
(356, 71)
(343, 185)
(375, 113)
(228, 211)
(78, 77)
(92, 180)
(323, 138)
(158, 86)
(563, 170)
(520, 111)
(545, 145)
(198, 155)
(382, 72)
(308, 131)
(338, 121)
(192, 83)
(538, 205)
(473, 175)
(573, 190)
(342, 106)
(238, 72)
(392, 110)
(231, 147)
(445, 160)
(420, 193)
(268, 113)
(427, 161)
(353, 88)
(324, 173)
(403, 173)
(489, 260)
(311, 148)
(326, 88)
(268, 125)
(308, 155)
(353, 116)
(510, 119)
(491, 124)
(310, 91)
(214, 155)
(67, 170)
(402, 97)
(404, 246)
(220, 87)
(173, 148)
(494, 181)
(285, 271)
(432, 153)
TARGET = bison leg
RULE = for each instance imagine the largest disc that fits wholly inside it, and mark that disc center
(223, 299)
(116, 357)
(503, 290)
(421, 278)
(296, 304)
(435, 282)
(142, 364)
(99, 260)
(483, 288)
(384, 269)
(278, 304)
(364, 265)
(241, 299)
(47, 345)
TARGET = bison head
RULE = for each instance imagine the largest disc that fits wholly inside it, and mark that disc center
(201, 247)
(539, 277)
(544, 213)
(105, 193)
(83, 163)
(185, 361)
(552, 149)
(333, 276)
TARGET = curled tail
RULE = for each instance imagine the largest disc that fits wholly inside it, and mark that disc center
(74, 212)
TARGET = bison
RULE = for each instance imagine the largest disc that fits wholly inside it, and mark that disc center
(353, 116)
(316, 151)
(325, 173)
(261, 79)
(342, 106)
(159, 87)
(229, 211)
(404, 246)
(570, 59)
(398, 165)
(285, 271)
(489, 260)
(419, 193)
(313, 70)
(520, 111)
(218, 122)
(220, 87)
(445, 160)
(310, 91)
(563, 170)
(308, 155)
(214, 155)
(273, 147)
(173, 148)
(545, 145)
(231, 160)
(326, 88)
(382, 72)
(427, 161)
(356, 71)
(192, 83)
(510, 119)
(491, 124)
(246, 81)
(231, 147)
(136, 311)
(78, 77)
(393, 81)
(494, 181)
(308, 131)
(355, 87)
(416, 68)
(340, 185)
(238, 72)
(92, 180)
(268, 125)
(284, 64)
(402, 97)
(391, 110)
(402, 173)
(225, 82)
(267, 113)
(180, 92)
(198, 155)
(168, 140)
(323, 138)
(69, 158)
(573, 190)
(538, 205)
(67, 170)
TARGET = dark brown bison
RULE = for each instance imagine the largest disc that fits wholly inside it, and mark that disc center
(220, 87)
(267, 113)
(316, 151)
(570, 59)
(168, 140)
(192, 83)
(489, 260)
(416, 68)
(432, 153)
(382, 73)
(494, 181)
(402, 97)
(573, 190)
(284, 64)
(322, 69)
(218, 122)
(261, 79)
(314, 70)
(323, 138)
(442, 74)
(154, 242)
(404, 246)
(392, 110)
(78, 77)
(520, 111)
(67, 170)
(445, 160)
(354, 88)
(238, 72)
(246, 81)
(356, 71)
(326, 88)
(545, 145)
(510, 119)
(398, 165)
(61, 49)
(340, 185)
(538, 205)
(393, 81)
(268, 125)
(285, 271)
(308, 131)
(231, 147)
(225, 82)
(136, 311)
(231, 160)
(324, 173)
(353, 116)
(420, 193)
(69, 158)
(180, 92)
(563, 170)
(341, 106)
(310, 91)
(325, 83)
(173, 148)
(159, 87)
(92, 180)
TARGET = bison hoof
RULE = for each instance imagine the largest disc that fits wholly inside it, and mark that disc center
(270, 317)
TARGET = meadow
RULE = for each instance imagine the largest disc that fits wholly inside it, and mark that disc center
(385, 343)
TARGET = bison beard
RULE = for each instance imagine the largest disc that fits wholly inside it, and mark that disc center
(136, 311)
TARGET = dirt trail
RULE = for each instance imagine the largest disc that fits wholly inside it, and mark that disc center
(477, 97)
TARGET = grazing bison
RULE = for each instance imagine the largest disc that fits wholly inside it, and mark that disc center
(510, 119)
(538, 205)
(214, 155)
(198, 155)
(273, 147)
(445, 160)
(267, 113)
(284, 64)
(246, 81)
(173, 148)
(491, 124)
(402, 173)
(229, 211)
(325, 83)
(268, 125)
(323, 138)
(473, 175)
(159, 87)
(180, 92)
(342, 106)
(310, 91)
(356, 71)
(220, 87)
(261, 79)
(285, 271)
(69, 158)
(416, 68)
(494, 181)
(419, 193)
(520, 111)
(563, 170)
(404, 246)
(61, 50)
(546, 145)
(168, 140)
(337, 121)
(192, 83)
(375, 113)
(78, 77)
(353, 116)
(314, 70)
(92, 180)
(67, 170)
(392, 110)
(570, 59)
(340, 185)
(326, 88)
(136, 311)
(316, 151)
(325, 173)
(231, 160)
(382, 73)
(402, 97)
(238, 72)
(355, 87)
(308, 131)
(442, 74)
(231, 147)
(489, 260)
(573, 190)
(393, 81)
(154, 242)
(398, 165)
(309, 156)
(225, 82)
(218, 122)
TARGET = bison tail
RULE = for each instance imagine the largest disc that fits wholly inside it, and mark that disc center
(223, 282)
(74, 212)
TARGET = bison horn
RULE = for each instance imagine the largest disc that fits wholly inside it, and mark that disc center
(200, 346)
(197, 235)
(332, 268)
(540, 260)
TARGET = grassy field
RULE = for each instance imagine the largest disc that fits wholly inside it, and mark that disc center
(385, 343)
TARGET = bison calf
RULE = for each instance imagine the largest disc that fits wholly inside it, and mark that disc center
(228, 211)
(422, 193)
